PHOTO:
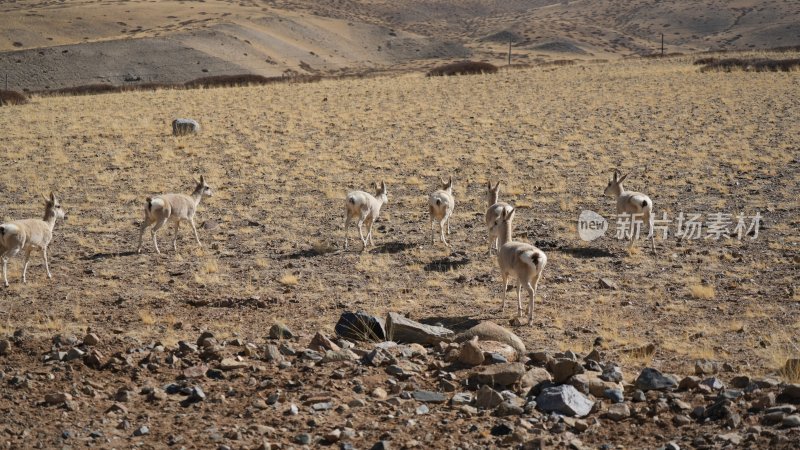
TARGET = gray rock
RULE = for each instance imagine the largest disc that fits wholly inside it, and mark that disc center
(293, 410)
(405, 330)
(705, 367)
(272, 353)
(141, 431)
(429, 396)
(182, 127)
(57, 398)
(498, 374)
(606, 283)
(73, 354)
(653, 380)
(618, 411)
(714, 383)
(488, 398)
(615, 395)
(280, 331)
(461, 398)
(490, 331)
(564, 399)
(197, 394)
(303, 439)
(733, 438)
(672, 446)
(91, 339)
(338, 356)
(360, 326)
(792, 421)
(786, 409)
(612, 374)
(689, 383)
(322, 406)
(773, 418)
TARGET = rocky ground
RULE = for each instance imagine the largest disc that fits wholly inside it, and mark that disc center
(428, 388)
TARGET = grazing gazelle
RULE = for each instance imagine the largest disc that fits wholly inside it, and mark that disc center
(495, 210)
(364, 207)
(440, 206)
(634, 203)
(522, 260)
(25, 235)
(173, 208)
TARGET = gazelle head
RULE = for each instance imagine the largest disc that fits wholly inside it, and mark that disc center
(492, 192)
(447, 185)
(614, 187)
(202, 187)
(503, 221)
(52, 207)
(381, 191)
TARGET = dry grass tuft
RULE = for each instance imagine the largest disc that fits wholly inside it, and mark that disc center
(8, 98)
(288, 280)
(702, 292)
(463, 68)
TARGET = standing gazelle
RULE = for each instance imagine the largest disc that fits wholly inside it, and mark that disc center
(440, 206)
(634, 203)
(364, 207)
(495, 210)
(28, 234)
(522, 260)
(173, 208)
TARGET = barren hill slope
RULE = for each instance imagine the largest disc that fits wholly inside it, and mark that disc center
(95, 41)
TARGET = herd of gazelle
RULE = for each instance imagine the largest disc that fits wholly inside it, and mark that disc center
(518, 259)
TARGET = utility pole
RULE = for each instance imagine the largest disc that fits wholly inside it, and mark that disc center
(509, 52)
(662, 45)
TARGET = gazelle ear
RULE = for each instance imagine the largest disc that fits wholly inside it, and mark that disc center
(510, 214)
(497, 186)
(45, 198)
(623, 178)
(450, 181)
(202, 179)
(383, 186)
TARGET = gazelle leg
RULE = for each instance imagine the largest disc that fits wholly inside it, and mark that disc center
(46, 264)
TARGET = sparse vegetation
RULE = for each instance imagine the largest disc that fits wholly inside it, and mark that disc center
(463, 68)
(750, 65)
(8, 98)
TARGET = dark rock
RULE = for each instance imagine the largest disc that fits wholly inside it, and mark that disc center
(638, 396)
(5, 347)
(791, 392)
(615, 395)
(612, 374)
(361, 326)
(792, 421)
(381, 445)
(303, 439)
(501, 429)
(740, 382)
(141, 431)
(651, 379)
(429, 397)
(564, 399)
(773, 418)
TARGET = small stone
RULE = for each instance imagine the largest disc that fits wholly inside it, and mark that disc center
(606, 283)
(196, 395)
(259, 403)
(57, 398)
(638, 396)
(73, 354)
(508, 409)
(733, 438)
(681, 420)
(488, 398)
(195, 371)
(740, 382)
(672, 446)
(689, 383)
(141, 431)
(615, 395)
(791, 392)
(379, 393)
(422, 409)
(429, 397)
(280, 331)
(461, 398)
(321, 343)
(333, 435)
(471, 354)
(293, 410)
(705, 367)
(91, 339)
(232, 364)
(357, 403)
(5, 347)
(773, 418)
(618, 411)
(534, 377)
(303, 439)
(612, 374)
(322, 406)
(714, 383)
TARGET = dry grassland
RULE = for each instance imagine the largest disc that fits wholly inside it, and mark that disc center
(282, 157)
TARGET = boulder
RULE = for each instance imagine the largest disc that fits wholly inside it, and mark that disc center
(361, 326)
(471, 353)
(498, 374)
(565, 400)
(563, 369)
(490, 331)
(534, 377)
(652, 380)
(403, 329)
